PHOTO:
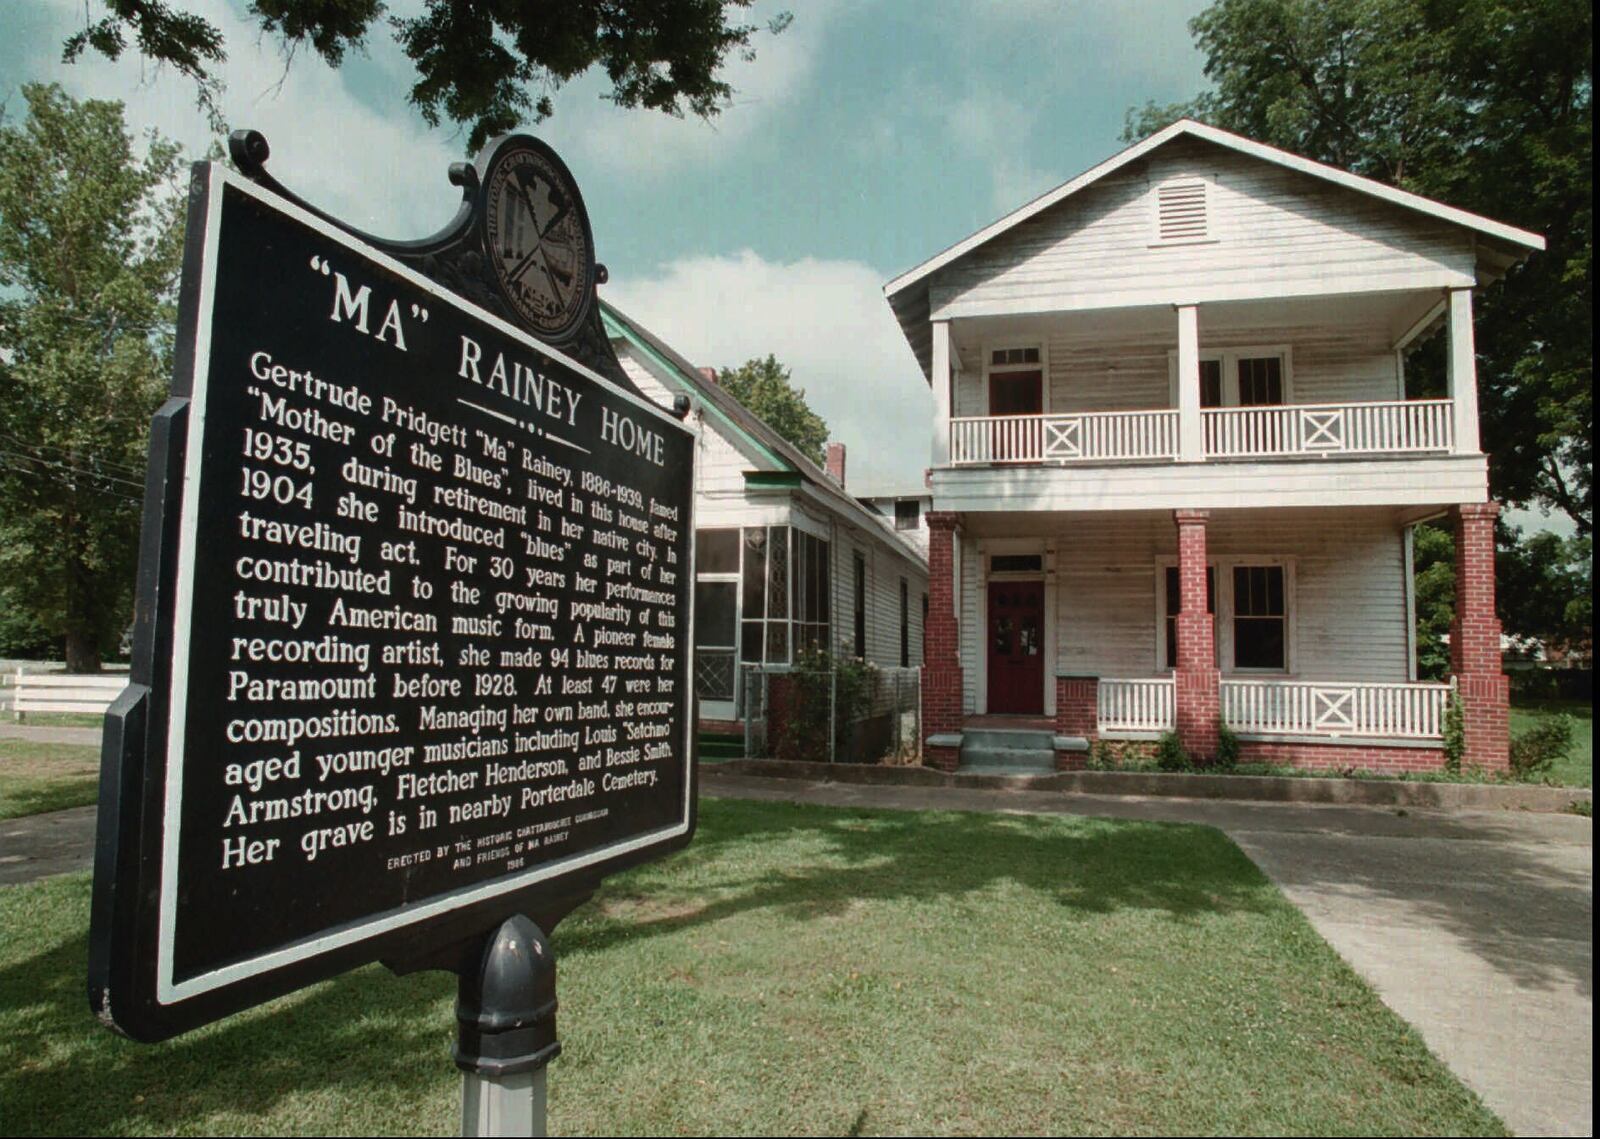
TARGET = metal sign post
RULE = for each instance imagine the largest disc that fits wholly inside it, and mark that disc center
(506, 1032)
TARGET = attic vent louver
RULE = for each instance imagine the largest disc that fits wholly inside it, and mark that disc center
(1181, 211)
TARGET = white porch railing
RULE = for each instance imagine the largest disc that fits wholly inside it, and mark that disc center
(1394, 427)
(1090, 437)
(1312, 708)
(1379, 427)
(1140, 706)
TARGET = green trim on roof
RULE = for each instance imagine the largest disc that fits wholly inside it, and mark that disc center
(621, 328)
(774, 478)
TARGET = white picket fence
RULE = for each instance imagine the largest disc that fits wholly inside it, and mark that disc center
(1146, 706)
(1378, 427)
(1090, 437)
(1312, 708)
(65, 692)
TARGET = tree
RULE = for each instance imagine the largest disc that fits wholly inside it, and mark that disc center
(1485, 104)
(764, 387)
(475, 59)
(1545, 591)
(90, 247)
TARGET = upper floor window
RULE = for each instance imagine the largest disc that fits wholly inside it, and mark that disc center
(1182, 208)
(1239, 377)
(907, 514)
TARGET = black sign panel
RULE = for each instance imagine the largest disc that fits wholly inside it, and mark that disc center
(414, 629)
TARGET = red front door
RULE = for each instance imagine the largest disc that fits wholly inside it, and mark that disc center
(1016, 647)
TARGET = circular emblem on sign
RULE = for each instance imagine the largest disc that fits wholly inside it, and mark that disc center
(537, 238)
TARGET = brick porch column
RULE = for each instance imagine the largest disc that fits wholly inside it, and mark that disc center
(1199, 692)
(1077, 716)
(1475, 642)
(941, 648)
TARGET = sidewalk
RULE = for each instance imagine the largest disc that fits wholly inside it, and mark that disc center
(46, 734)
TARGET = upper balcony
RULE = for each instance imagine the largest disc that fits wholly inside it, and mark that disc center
(1285, 401)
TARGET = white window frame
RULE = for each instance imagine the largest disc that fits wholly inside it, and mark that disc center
(1229, 359)
(990, 370)
(1222, 626)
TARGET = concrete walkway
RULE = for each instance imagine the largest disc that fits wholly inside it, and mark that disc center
(46, 734)
(1474, 927)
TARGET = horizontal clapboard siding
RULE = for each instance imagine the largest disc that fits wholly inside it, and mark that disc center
(1276, 232)
(1329, 364)
(1349, 592)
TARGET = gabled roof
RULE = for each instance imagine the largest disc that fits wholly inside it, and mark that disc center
(785, 460)
(1520, 239)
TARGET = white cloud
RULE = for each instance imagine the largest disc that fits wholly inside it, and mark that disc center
(994, 128)
(826, 321)
(648, 143)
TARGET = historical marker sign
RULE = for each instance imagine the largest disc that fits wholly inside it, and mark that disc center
(414, 627)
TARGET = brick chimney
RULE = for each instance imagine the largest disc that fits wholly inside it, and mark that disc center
(836, 463)
(708, 374)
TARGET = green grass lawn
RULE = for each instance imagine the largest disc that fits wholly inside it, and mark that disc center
(1577, 770)
(38, 777)
(802, 969)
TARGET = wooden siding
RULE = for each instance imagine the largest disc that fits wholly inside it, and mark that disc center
(1328, 365)
(885, 570)
(1348, 602)
(1278, 233)
(719, 464)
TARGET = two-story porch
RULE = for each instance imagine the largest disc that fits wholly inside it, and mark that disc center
(1176, 462)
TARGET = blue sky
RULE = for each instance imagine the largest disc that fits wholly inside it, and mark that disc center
(861, 141)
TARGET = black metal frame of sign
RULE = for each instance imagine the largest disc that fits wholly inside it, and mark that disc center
(412, 628)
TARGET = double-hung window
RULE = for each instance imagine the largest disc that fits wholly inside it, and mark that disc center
(1238, 377)
(1260, 618)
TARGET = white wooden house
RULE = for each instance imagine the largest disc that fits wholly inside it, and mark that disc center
(784, 556)
(1175, 468)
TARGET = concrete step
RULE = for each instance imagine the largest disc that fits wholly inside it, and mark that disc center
(1028, 739)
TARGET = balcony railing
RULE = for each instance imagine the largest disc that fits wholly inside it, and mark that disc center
(1396, 427)
(1090, 437)
(1386, 427)
(1137, 707)
(1312, 708)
